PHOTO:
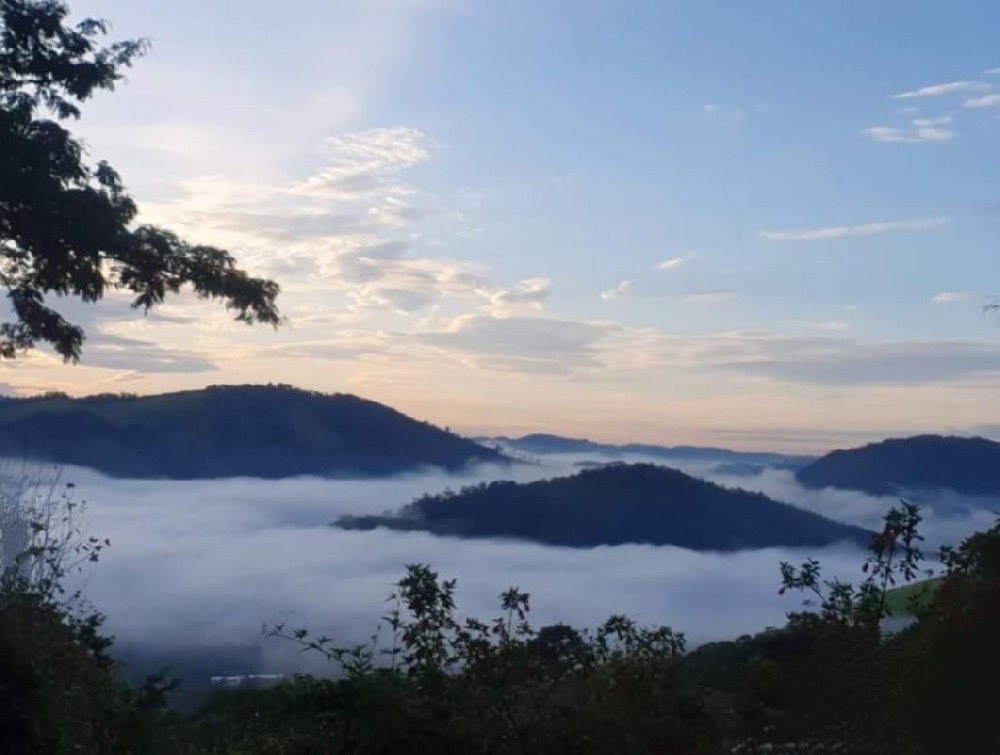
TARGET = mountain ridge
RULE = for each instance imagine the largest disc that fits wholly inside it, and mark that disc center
(548, 443)
(264, 431)
(615, 505)
(966, 465)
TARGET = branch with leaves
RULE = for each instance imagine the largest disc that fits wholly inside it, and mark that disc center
(66, 227)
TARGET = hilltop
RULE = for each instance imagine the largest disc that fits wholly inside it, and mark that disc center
(267, 431)
(614, 505)
(968, 466)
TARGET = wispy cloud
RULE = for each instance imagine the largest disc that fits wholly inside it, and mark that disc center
(919, 130)
(617, 292)
(992, 72)
(725, 112)
(527, 345)
(950, 297)
(348, 227)
(363, 164)
(529, 294)
(830, 361)
(940, 90)
(829, 325)
(987, 100)
(114, 352)
(711, 297)
(673, 263)
(848, 231)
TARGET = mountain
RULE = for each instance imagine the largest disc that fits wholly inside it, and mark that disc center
(544, 443)
(616, 504)
(969, 466)
(224, 431)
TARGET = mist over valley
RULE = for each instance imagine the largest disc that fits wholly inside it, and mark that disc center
(198, 567)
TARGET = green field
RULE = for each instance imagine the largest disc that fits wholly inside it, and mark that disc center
(899, 601)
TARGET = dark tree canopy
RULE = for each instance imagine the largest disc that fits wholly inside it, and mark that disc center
(66, 227)
(265, 431)
(615, 505)
(968, 466)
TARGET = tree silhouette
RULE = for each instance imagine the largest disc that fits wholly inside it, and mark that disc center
(66, 227)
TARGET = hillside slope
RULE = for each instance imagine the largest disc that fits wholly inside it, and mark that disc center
(613, 505)
(969, 466)
(225, 431)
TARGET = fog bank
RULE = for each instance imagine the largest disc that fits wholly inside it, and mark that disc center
(210, 562)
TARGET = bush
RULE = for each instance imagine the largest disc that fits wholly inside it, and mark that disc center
(59, 692)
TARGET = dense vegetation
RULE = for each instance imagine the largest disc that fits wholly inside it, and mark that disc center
(616, 504)
(257, 431)
(829, 681)
(969, 466)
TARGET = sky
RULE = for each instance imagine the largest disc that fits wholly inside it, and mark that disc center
(762, 224)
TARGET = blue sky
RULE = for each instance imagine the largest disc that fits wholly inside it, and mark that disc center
(760, 223)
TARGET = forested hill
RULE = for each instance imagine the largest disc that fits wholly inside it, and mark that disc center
(969, 466)
(613, 505)
(223, 431)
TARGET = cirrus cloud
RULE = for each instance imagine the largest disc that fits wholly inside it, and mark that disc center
(988, 100)
(530, 294)
(717, 296)
(949, 297)
(520, 344)
(947, 88)
(828, 233)
(673, 263)
(617, 292)
(919, 131)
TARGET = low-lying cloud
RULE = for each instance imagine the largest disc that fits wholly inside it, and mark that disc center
(210, 562)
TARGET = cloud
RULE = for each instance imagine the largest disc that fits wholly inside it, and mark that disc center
(920, 130)
(363, 165)
(819, 440)
(403, 285)
(355, 198)
(120, 353)
(803, 359)
(522, 344)
(711, 297)
(673, 263)
(992, 72)
(988, 100)
(187, 563)
(940, 90)
(617, 292)
(850, 231)
(724, 112)
(947, 518)
(828, 361)
(209, 562)
(352, 227)
(836, 325)
(948, 297)
(529, 294)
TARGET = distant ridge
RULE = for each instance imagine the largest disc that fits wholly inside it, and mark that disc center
(267, 431)
(615, 505)
(968, 466)
(545, 443)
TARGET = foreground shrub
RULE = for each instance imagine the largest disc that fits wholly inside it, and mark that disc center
(59, 690)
